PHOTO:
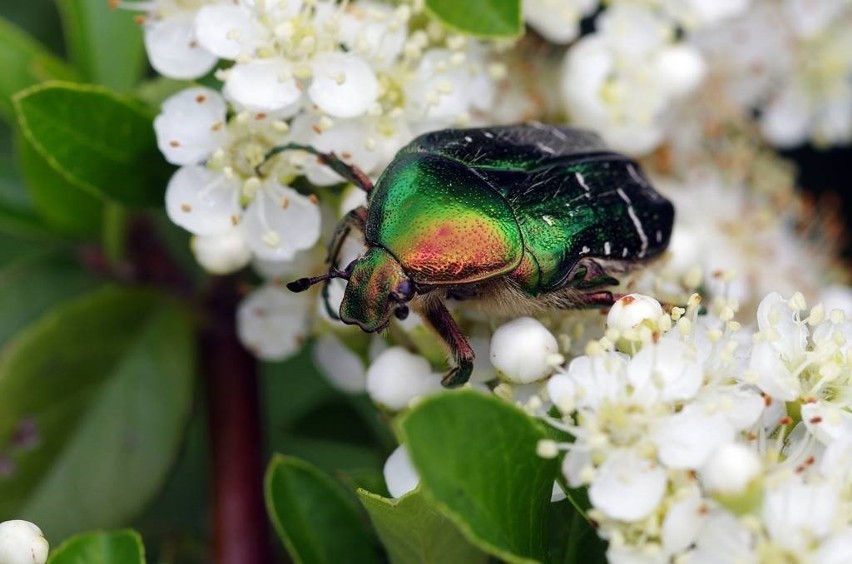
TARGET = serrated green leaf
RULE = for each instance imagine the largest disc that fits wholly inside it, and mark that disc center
(25, 62)
(480, 18)
(476, 456)
(312, 514)
(106, 45)
(60, 204)
(96, 139)
(99, 547)
(93, 401)
(414, 532)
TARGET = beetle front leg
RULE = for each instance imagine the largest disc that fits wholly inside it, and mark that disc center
(350, 173)
(439, 318)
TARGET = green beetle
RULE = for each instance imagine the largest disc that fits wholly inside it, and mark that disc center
(520, 218)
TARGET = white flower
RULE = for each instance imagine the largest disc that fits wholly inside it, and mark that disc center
(523, 350)
(22, 542)
(272, 322)
(397, 376)
(228, 30)
(730, 469)
(400, 474)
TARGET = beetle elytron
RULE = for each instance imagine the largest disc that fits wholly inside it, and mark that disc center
(521, 218)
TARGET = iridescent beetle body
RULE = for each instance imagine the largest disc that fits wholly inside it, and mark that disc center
(520, 218)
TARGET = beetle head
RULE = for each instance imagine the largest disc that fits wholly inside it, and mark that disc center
(377, 287)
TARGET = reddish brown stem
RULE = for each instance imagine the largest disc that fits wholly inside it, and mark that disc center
(240, 526)
(240, 530)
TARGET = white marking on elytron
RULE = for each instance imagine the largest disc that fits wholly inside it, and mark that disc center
(582, 181)
(624, 252)
(636, 223)
(548, 220)
(635, 175)
(545, 148)
(607, 248)
(585, 250)
(558, 134)
(468, 139)
(659, 236)
(489, 135)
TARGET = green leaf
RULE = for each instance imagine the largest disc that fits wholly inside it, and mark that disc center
(480, 18)
(574, 536)
(313, 515)
(62, 205)
(24, 62)
(413, 531)
(106, 45)
(96, 139)
(94, 397)
(31, 283)
(99, 547)
(476, 456)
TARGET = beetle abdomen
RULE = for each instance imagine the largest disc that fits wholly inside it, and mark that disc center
(442, 221)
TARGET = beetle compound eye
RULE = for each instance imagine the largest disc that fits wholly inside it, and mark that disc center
(405, 290)
(401, 312)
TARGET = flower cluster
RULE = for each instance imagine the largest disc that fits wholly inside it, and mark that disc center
(697, 437)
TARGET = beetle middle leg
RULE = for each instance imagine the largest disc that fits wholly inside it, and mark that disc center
(439, 318)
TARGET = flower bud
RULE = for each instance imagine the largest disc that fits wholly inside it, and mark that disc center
(732, 476)
(22, 542)
(523, 350)
(400, 475)
(397, 376)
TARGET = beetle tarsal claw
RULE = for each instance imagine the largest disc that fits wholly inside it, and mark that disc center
(299, 285)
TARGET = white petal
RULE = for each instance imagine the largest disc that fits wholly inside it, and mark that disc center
(789, 336)
(341, 366)
(202, 201)
(557, 493)
(280, 222)
(22, 542)
(399, 472)
(272, 322)
(397, 376)
(574, 466)
(222, 253)
(786, 121)
(723, 538)
(598, 379)
(373, 31)
(343, 85)
(774, 377)
(827, 422)
(173, 50)
(682, 522)
(227, 30)
(667, 371)
(522, 350)
(262, 85)
(191, 125)
(557, 21)
(837, 549)
(795, 512)
(627, 487)
(439, 90)
(686, 439)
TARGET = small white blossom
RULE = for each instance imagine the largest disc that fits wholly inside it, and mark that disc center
(272, 322)
(22, 542)
(522, 350)
(397, 376)
(400, 474)
(341, 366)
(221, 253)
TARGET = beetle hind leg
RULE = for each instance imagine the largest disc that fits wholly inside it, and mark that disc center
(442, 322)
(350, 173)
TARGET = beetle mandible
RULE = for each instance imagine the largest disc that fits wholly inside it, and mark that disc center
(521, 218)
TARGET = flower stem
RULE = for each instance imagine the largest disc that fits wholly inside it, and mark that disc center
(240, 531)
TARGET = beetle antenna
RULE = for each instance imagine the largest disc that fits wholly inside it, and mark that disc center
(303, 284)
